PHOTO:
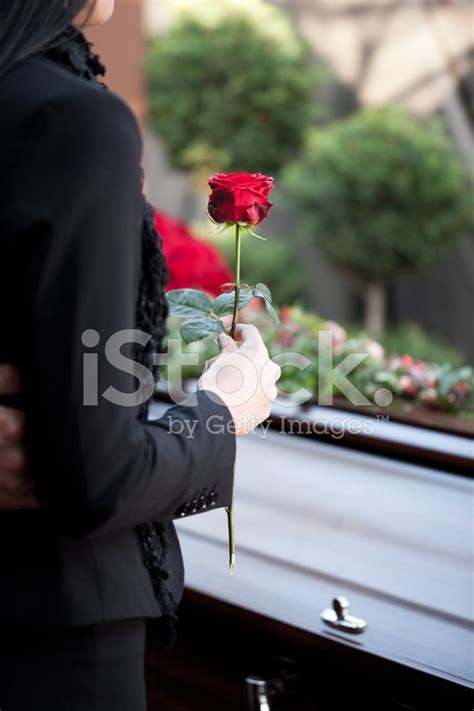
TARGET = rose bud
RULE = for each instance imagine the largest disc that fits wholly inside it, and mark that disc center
(239, 198)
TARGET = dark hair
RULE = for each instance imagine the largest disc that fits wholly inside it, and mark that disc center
(31, 26)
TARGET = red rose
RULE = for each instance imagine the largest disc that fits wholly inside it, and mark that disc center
(239, 197)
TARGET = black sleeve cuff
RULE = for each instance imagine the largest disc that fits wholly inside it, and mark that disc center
(214, 481)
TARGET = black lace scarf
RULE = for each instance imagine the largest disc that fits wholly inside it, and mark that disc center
(73, 52)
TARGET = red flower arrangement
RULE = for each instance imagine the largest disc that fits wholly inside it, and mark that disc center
(191, 263)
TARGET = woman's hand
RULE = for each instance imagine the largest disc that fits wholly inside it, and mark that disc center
(244, 378)
(16, 487)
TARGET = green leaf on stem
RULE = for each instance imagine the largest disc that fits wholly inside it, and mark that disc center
(198, 328)
(272, 313)
(263, 292)
(184, 303)
(224, 303)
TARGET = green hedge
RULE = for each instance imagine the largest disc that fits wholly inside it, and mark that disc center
(381, 193)
(229, 96)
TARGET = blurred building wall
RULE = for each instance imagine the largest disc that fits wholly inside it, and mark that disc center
(120, 43)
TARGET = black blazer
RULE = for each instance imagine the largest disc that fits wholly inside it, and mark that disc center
(70, 250)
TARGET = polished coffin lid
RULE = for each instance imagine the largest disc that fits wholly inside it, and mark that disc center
(314, 521)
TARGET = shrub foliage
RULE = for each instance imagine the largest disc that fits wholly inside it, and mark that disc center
(229, 97)
(381, 193)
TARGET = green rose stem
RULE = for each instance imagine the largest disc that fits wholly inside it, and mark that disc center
(237, 279)
(230, 509)
(230, 523)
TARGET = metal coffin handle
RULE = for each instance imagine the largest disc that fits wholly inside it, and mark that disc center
(259, 692)
(339, 617)
(262, 690)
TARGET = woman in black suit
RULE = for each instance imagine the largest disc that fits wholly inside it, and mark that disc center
(82, 311)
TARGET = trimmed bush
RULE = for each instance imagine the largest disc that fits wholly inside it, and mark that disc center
(381, 194)
(228, 96)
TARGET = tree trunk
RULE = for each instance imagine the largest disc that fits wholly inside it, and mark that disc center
(375, 309)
